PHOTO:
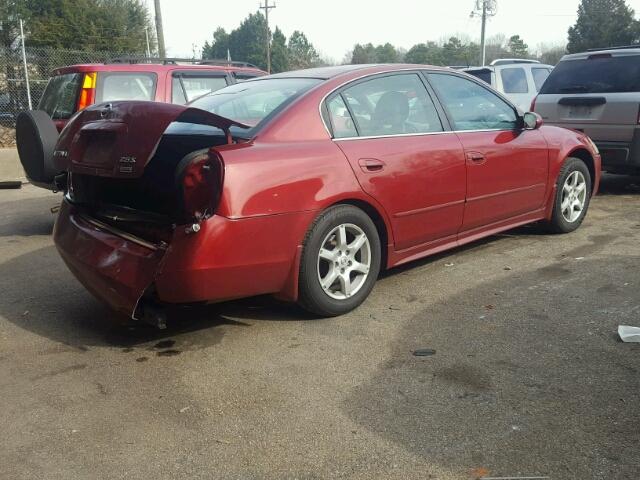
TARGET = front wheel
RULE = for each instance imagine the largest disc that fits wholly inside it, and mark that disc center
(573, 193)
(340, 261)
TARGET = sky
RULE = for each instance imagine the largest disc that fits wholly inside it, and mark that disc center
(334, 26)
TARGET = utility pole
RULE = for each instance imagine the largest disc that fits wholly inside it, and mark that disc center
(26, 70)
(266, 7)
(146, 34)
(484, 9)
(159, 31)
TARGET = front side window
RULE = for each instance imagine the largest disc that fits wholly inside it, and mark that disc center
(125, 86)
(397, 104)
(514, 80)
(539, 76)
(471, 106)
(194, 86)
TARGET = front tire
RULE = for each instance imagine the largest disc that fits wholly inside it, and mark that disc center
(340, 261)
(573, 194)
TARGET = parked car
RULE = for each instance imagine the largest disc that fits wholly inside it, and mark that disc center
(304, 185)
(169, 80)
(598, 92)
(518, 79)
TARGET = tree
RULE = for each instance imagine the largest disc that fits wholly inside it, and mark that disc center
(279, 53)
(551, 56)
(429, 53)
(302, 53)
(363, 54)
(603, 23)
(219, 47)
(386, 53)
(517, 47)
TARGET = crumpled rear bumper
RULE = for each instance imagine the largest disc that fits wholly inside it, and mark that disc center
(115, 269)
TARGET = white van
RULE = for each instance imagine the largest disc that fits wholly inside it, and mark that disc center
(519, 80)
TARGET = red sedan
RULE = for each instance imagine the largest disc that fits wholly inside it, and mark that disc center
(305, 185)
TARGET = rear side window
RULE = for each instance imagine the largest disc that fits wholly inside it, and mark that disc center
(392, 105)
(60, 98)
(185, 88)
(514, 80)
(600, 73)
(125, 86)
(539, 76)
(484, 75)
(341, 121)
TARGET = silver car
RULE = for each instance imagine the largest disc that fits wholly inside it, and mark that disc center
(598, 93)
(517, 79)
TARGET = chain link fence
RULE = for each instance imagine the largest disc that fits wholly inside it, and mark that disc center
(40, 62)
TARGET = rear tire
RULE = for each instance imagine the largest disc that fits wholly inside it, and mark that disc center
(573, 194)
(340, 261)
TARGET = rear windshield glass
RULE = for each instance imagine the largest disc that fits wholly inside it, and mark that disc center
(484, 75)
(598, 74)
(125, 86)
(60, 98)
(251, 102)
(514, 80)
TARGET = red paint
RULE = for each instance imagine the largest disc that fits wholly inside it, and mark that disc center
(432, 193)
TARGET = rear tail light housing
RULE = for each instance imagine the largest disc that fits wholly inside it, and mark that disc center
(532, 107)
(88, 90)
(200, 176)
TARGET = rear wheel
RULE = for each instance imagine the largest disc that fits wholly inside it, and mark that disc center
(340, 261)
(573, 193)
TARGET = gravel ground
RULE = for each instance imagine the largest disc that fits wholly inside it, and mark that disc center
(528, 376)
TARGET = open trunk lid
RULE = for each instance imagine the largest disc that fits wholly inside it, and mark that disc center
(118, 139)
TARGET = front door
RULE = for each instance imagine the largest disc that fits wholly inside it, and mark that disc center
(507, 166)
(390, 131)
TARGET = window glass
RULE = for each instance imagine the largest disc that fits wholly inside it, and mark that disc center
(341, 120)
(60, 97)
(125, 86)
(251, 102)
(484, 75)
(600, 73)
(471, 106)
(539, 76)
(393, 105)
(241, 76)
(195, 86)
(514, 80)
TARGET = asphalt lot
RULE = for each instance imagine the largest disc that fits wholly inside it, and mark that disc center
(528, 377)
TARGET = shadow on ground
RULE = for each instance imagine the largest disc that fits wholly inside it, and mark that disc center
(528, 377)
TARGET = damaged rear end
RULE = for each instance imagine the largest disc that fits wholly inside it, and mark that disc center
(136, 172)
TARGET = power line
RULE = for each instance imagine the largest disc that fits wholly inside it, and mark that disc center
(266, 7)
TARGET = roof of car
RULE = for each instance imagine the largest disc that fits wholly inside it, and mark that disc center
(613, 51)
(150, 67)
(325, 73)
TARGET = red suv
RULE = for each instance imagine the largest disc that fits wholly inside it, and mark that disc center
(75, 87)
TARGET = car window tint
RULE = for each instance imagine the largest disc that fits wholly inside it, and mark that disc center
(600, 73)
(194, 86)
(341, 120)
(60, 97)
(484, 75)
(397, 104)
(514, 80)
(125, 86)
(471, 106)
(539, 76)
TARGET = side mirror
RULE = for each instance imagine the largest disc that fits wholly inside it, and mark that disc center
(532, 121)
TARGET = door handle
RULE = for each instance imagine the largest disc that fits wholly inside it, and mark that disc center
(476, 158)
(369, 165)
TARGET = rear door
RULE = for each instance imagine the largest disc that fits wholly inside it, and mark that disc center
(507, 166)
(598, 93)
(392, 134)
(187, 85)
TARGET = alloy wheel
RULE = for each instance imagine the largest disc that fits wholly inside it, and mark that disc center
(574, 196)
